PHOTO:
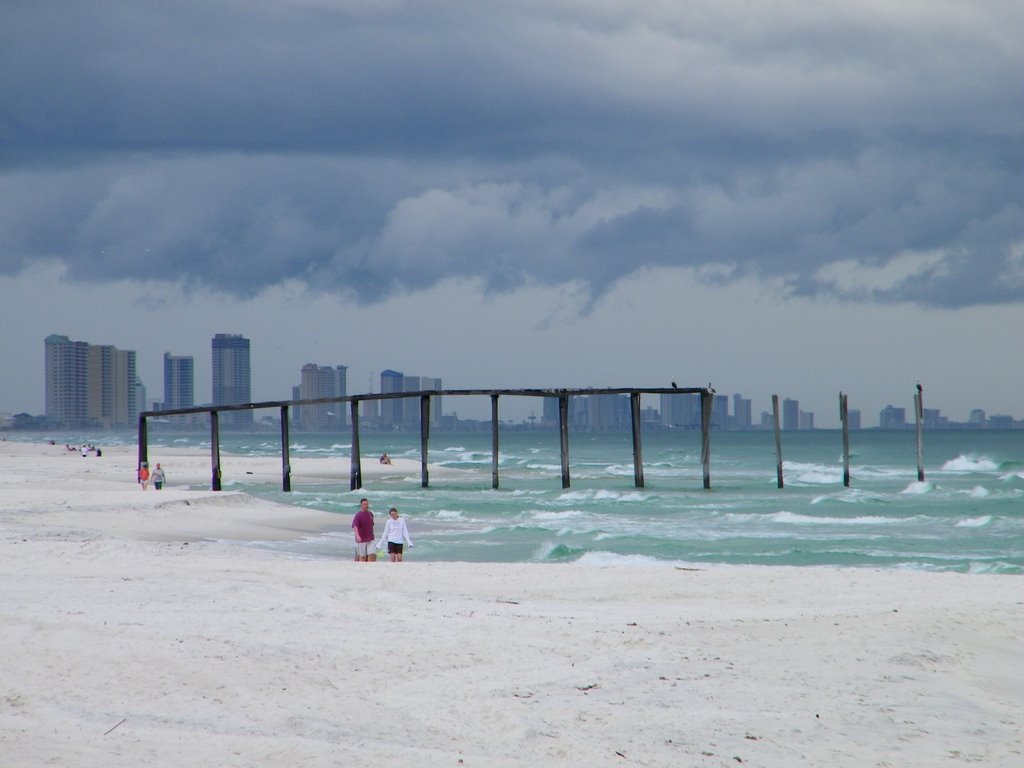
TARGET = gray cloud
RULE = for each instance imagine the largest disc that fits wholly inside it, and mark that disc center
(373, 147)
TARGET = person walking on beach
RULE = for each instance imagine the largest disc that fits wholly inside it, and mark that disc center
(395, 533)
(144, 476)
(158, 477)
(362, 524)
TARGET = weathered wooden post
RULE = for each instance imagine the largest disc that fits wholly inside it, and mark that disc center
(355, 480)
(843, 414)
(494, 441)
(778, 441)
(638, 451)
(286, 465)
(143, 443)
(919, 418)
(424, 440)
(563, 433)
(707, 399)
(215, 448)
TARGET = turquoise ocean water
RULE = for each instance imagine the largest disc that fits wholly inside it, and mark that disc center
(967, 516)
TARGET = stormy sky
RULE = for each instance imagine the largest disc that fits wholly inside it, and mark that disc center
(777, 197)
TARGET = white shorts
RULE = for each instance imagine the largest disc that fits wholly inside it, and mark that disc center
(365, 548)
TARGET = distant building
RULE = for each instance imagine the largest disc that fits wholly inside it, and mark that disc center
(67, 389)
(179, 382)
(719, 411)
(741, 412)
(232, 377)
(607, 411)
(891, 417)
(89, 385)
(680, 411)
(790, 414)
(853, 418)
(323, 382)
(806, 420)
(392, 411)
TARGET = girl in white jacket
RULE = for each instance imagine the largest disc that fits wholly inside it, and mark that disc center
(395, 533)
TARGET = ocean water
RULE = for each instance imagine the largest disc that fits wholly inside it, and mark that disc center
(967, 515)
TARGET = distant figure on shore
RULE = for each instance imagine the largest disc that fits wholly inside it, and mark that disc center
(144, 475)
(158, 477)
(362, 524)
(384, 458)
(395, 533)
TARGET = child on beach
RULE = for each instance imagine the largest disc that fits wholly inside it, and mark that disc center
(144, 476)
(158, 477)
(395, 533)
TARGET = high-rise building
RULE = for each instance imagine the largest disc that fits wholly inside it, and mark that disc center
(232, 377)
(681, 411)
(112, 386)
(392, 412)
(741, 412)
(719, 411)
(321, 382)
(607, 411)
(67, 370)
(90, 385)
(790, 414)
(891, 417)
(179, 381)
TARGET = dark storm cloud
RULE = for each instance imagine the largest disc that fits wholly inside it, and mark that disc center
(368, 147)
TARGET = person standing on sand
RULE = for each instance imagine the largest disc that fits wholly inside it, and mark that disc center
(144, 476)
(158, 477)
(362, 524)
(395, 532)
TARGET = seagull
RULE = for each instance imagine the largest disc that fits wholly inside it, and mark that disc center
(674, 385)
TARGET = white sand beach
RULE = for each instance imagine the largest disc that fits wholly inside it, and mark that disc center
(135, 630)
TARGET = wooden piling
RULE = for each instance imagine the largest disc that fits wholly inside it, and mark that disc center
(707, 399)
(424, 440)
(215, 449)
(286, 465)
(778, 441)
(563, 433)
(143, 443)
(843, 419)
(638, 451)
(355, 480)
(919, 418)
(494, 441)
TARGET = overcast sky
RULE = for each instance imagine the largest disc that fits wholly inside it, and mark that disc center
(774, 197)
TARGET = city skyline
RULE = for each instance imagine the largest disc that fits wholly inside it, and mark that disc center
(508, 194)
(96, 385)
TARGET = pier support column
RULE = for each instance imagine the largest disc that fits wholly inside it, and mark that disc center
(919, 418)
(143, 443)
(494, 441)
(843, 419)
(707, 399)
(563, 433)
(424, 440)
(356, 468)
(286, 465)
(638, 451)
(215, 449)
(778, 442)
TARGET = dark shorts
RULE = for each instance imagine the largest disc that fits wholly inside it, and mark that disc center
(394, 549)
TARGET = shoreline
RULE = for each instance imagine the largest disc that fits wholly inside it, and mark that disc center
(138, 635)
